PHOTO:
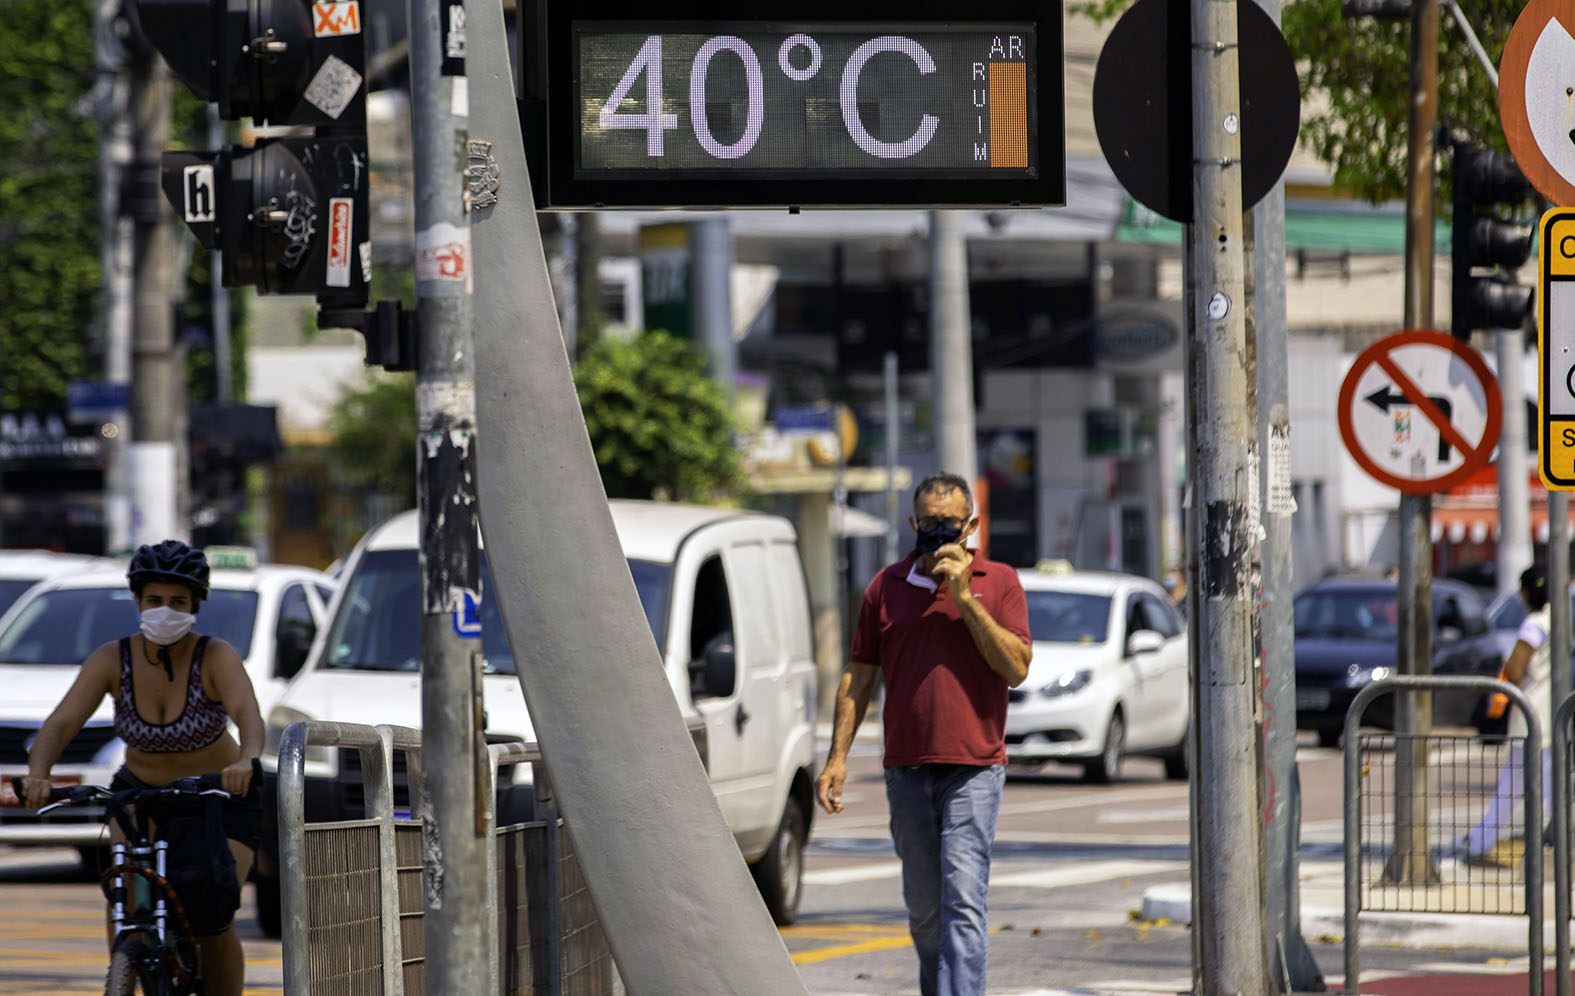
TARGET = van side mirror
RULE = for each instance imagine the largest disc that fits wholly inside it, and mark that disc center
(290, 654)
(715, 672)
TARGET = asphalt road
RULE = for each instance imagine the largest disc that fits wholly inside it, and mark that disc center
(1071, 864)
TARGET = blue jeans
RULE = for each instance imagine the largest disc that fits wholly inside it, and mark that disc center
(942, 823)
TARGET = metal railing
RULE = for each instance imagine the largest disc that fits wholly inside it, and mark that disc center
(1420, 819)
(352, 889)
(1561, 845)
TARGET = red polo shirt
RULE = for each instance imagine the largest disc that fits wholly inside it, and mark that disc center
(944, 705)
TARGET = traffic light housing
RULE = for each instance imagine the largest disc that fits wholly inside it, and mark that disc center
(1487, 184)
(291, 215)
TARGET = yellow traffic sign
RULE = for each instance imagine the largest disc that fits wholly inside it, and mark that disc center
(1556, 350)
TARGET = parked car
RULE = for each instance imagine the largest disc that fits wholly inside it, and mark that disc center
(270, 614)
(1108, 676)
(726, 598)
(1346, 634)
(21, 569)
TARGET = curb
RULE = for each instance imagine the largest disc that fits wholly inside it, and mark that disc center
(1173, 902)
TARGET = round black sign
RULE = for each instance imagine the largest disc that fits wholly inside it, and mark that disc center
(1143, 104)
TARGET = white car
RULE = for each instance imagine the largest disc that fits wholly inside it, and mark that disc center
(21, 569)
(269, 613)
(1108, 677)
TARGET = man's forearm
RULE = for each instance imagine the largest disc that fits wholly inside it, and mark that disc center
(1007, 655)
(853, 700)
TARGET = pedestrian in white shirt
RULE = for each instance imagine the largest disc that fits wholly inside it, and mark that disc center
(1529, 665)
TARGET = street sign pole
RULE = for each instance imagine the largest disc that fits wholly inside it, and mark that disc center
(1556, 449)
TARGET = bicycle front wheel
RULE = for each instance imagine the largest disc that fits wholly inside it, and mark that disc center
(130, 972)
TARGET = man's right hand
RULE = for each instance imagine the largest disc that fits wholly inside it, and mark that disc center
(828, 787)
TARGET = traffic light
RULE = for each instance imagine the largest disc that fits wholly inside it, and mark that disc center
(1486, 184)
(290, 215)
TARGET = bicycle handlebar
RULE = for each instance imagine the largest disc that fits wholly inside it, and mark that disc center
(72, 795)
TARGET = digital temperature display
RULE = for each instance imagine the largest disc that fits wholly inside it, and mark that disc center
(795, 103)
(806, 98)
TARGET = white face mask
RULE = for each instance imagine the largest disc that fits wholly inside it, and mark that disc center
(164, 625)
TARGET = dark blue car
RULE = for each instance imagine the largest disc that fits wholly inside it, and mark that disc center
(1345, 639)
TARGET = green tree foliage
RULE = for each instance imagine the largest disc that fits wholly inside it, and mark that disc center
(1356, 84)
(658, 422)
(49, 238)
(1355, 78)
(374, 435)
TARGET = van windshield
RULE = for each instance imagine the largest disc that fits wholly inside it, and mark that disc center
(378, 623)
(64, 625)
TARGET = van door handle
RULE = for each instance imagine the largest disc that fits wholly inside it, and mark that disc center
(740, 718)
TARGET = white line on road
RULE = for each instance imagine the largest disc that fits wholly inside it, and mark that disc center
(1167, 794)
(1084, 873)
(858, 873)
(1080, 873)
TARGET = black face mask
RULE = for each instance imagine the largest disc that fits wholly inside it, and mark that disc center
(935, 537)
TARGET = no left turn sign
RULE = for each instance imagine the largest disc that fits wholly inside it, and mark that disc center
(1420, 411)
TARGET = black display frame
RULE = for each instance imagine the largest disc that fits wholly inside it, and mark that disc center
(551, 119)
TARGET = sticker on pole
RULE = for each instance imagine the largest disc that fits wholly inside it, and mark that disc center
(1420, 411)
(332, 20)
(467, 618)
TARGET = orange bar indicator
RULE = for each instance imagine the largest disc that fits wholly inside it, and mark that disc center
(1009, 114)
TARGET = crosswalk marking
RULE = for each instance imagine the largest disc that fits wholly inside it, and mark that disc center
(1070, 873)
(1083, 873)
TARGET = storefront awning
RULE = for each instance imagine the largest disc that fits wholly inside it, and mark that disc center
(1343, 226)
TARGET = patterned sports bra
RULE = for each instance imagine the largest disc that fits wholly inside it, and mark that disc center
(200, 723)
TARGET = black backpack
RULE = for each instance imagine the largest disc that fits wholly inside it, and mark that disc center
(199, 865)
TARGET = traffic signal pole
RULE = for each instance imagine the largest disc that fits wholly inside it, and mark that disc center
(454, 838)
(1228, 922)
(1411, 861)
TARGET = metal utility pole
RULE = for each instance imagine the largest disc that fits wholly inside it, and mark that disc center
(114, 156)
(1411, 861)
(712, 242)
(1291, 961)
(893, 434)
(951, 347)
(454, 838)
(1227, 831)
(158, 389)
(1514, 513)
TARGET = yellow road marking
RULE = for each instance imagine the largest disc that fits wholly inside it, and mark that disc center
(836, 930)
(843, 950)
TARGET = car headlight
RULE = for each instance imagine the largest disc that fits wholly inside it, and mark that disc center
(1071, 681)
(1357, 675)
(279, 720)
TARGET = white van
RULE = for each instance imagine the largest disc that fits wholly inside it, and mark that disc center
(725, 595)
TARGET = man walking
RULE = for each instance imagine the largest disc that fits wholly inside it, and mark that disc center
(948, 632)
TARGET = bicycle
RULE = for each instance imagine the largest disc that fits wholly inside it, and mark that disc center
(154, 952)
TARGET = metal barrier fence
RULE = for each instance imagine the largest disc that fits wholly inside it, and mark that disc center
(352, 889)
(1561, 845)
(1476, 783)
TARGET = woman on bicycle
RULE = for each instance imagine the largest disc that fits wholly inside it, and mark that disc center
(175, 693)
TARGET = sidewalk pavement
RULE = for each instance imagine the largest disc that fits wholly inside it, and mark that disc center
(1323, 906)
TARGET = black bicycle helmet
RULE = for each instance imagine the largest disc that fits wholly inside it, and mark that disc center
(171, 561)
